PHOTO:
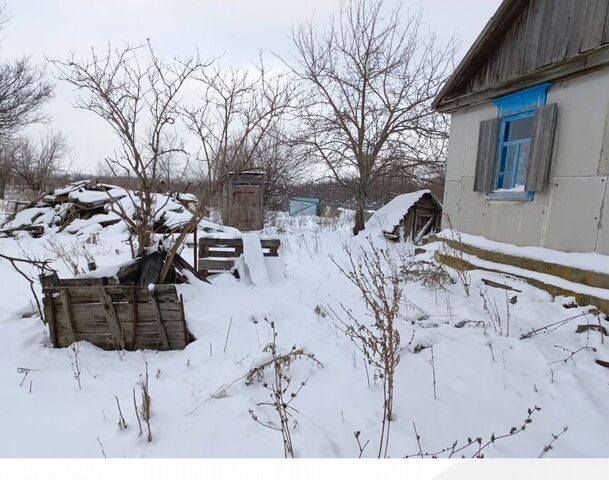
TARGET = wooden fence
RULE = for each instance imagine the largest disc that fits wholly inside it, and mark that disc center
(218, 255)
(114, 317)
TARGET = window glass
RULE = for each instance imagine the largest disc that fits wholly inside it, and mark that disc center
(521, 169)
(519, 129)
(514, 150)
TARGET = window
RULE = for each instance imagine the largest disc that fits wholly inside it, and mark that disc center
(515, 148)
(516, 113)
(514, 145)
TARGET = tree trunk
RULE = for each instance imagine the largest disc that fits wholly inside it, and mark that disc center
(359, 211)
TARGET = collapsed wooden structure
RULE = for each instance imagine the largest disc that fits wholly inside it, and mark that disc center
(81, 204)
(112, 316)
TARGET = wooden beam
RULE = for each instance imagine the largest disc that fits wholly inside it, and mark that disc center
(159, 320)
(186, 339)
(67, 311)
(111, 317)
(136, 317)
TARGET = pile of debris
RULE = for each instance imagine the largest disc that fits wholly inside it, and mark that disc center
(89, 206)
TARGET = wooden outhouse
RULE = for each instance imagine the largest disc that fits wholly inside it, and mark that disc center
(243, 201)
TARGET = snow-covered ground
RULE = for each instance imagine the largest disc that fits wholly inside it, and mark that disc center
(200, 402)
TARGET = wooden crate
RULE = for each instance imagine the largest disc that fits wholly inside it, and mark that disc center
(219, 255)
(115, 317)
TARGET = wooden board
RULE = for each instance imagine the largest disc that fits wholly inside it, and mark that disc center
(217, 255)
(116, 317)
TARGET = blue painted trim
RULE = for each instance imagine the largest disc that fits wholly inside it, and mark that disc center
(513, 196)
(527, 99)
(503, 146)
(510, 107)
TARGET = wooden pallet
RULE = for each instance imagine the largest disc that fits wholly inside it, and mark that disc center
(115, 317)
(219, 255)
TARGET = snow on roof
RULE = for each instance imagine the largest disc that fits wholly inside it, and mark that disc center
(389, 216)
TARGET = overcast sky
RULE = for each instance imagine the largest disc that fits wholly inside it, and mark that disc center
(238, 29)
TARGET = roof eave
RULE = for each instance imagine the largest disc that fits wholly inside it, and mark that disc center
(493, 29)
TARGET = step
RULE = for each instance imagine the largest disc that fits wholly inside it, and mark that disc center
(571, 273)
(583, 294)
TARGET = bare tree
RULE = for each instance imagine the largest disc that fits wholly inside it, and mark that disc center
(368, 81)
(239, 120)
(6, 165)
(140, 100)
(24, 89)
(36, 164)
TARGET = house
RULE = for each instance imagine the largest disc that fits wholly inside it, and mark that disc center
(528, 157)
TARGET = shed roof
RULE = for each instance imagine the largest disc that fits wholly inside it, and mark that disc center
(389, 216)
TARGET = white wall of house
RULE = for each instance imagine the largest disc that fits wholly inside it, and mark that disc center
(572, 213)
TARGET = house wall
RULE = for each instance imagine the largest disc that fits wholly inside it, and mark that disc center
(572, 213)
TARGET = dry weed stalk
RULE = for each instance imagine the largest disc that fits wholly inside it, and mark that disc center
(378, 278)
(430, 274)
(146, 400)
(75, 361)
(480, 444)
(361, 447)
(70, 255)
(445, 249)
(550, 446)
(546, 329)
(281, 397)
(495, 314)
(28, 259)
(137, 415)
(122, 424)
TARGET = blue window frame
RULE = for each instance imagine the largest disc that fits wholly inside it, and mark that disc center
(516, 112)
(514, 145)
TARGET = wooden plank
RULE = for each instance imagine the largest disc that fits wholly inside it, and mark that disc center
(486, 160)
(542, 142)
(220, 254)
(119, 293)
(562, 17)
(208, 264)
(67, 313)
(112, 318)
(135, 316)
(92, 313)
(594, 26)
(184, 327)
(49, 306)
(85, 282)
(145, 341)
(159, 319)
(220, 242)
(533, 34)
(270, 242)
(576, 28)
(143, 328)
